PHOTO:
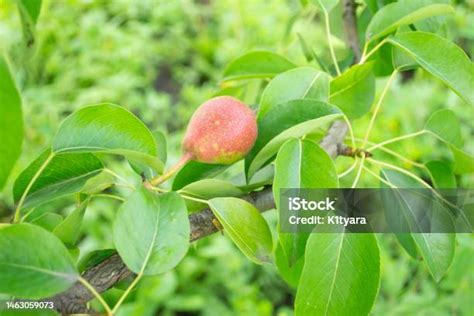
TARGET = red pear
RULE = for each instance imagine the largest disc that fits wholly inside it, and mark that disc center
(221, 131)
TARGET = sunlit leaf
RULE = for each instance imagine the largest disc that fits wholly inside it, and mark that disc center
(453, 66)
(353, 91)
(403, 12)
(244, 224)
(11, 122)
(151, 231)
(464, 161)
(258, 64)
(298, 83)
(107, 128)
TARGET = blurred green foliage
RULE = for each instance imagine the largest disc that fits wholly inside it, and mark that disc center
(161, 59)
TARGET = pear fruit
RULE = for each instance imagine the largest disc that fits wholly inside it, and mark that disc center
(221, 131)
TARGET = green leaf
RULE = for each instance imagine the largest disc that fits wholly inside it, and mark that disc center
(29, 12)
(400, 59)
(295, 168)
(327, 5)
(403, 12)
(453, 67)
(405, 239)
(383, 61)
(207, 189)
(258, 64)
(291, 274)
(162, 154)
(236, 91)
(446, 126)
(435, 24)
(244, 224)
(161, 145)
(464, 161)
(48, 221)
(307, 51)
(65, 174)
(436, 249)
(107, 128)
(310, 53)
(32, 256)
(298, 83)
(441, 174)
(353, 91)
(69, 229)
(194, 171)
(151, 231)
(340, 276)
(288, 120)
(98, 183)
(11, 121)
(74, 252)
(93, 258)
(262, 178)
(211, 188)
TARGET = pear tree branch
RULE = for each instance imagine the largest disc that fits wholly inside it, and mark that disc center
(110, 271)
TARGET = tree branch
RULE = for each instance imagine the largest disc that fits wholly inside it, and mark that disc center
(350, 25)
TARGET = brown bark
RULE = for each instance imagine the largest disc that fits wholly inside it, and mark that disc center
(350, 26)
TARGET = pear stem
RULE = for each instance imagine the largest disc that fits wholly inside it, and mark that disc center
(168, 174)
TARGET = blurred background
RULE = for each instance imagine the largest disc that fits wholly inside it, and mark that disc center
(161, 60)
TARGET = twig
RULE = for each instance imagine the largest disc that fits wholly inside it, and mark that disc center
(43, 166)
(349, 170)
(396, 139)
(359, 172)
(350, 27)
(377, 107)
(328, 35)
(366, 56)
